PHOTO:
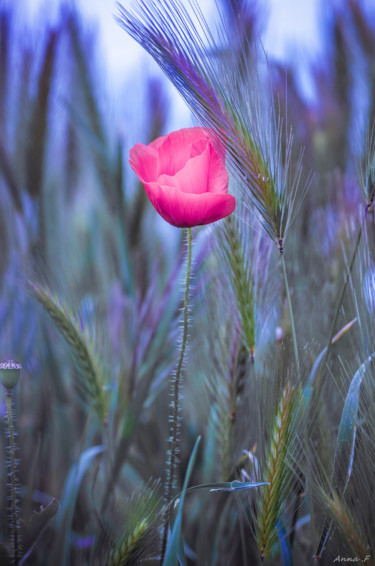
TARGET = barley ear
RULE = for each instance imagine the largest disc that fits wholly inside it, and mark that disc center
(277, 473)
(91, 382)
(241, 278)
(347, 525)
(125, 550)
(138, 533)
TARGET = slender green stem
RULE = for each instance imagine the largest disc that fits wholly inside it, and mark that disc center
(295, 347)
(319, 377)
(175, 405)
(342, 292)
(13, 482)
(294, 337)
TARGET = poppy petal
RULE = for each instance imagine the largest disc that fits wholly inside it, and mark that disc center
(184, 177)
(175, 150)
(144, 162)
(218, 175)
(193, 177)
(185, 210)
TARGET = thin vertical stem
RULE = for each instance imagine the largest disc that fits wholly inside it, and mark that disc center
(319, 377)
(294, 337)
(13, 481)
(319, 380)
(343, 289)
(175, 405)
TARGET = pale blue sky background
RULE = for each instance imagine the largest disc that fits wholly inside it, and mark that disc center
(290, 29)
(288, 26)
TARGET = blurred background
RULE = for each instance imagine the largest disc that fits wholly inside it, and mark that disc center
(291, 32)
(97, 329)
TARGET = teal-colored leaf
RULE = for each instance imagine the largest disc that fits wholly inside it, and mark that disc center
(174, 545)
(308, 389)
(345, 445)
(68, 500)
(234, 485)
(181, 553)
(229, 486)
(344, 455)
(286, 551)
(74, 480)
(224, 486)
(306, 394)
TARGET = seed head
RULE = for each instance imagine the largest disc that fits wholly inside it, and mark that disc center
(9, 374)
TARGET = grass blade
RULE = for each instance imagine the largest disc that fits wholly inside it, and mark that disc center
(173, 546)
(70, 493)
(345, 445)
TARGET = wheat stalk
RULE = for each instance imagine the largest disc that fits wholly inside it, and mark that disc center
(347, 526)
(82, 351)
(140, 520)
(124, 551)
(277, 473)
(241, 278)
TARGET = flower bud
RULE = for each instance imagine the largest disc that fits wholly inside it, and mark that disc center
(9, 373)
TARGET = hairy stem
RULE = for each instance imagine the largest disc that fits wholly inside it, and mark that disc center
(294, 337)
(13, 482)
(175, 405)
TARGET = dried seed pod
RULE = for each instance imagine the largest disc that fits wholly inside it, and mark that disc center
(10, 373)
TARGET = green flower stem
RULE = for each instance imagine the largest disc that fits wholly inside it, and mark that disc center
(294, 337)
(13, 481)
(174, 417)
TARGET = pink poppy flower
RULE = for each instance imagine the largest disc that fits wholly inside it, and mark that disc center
(184, 178)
